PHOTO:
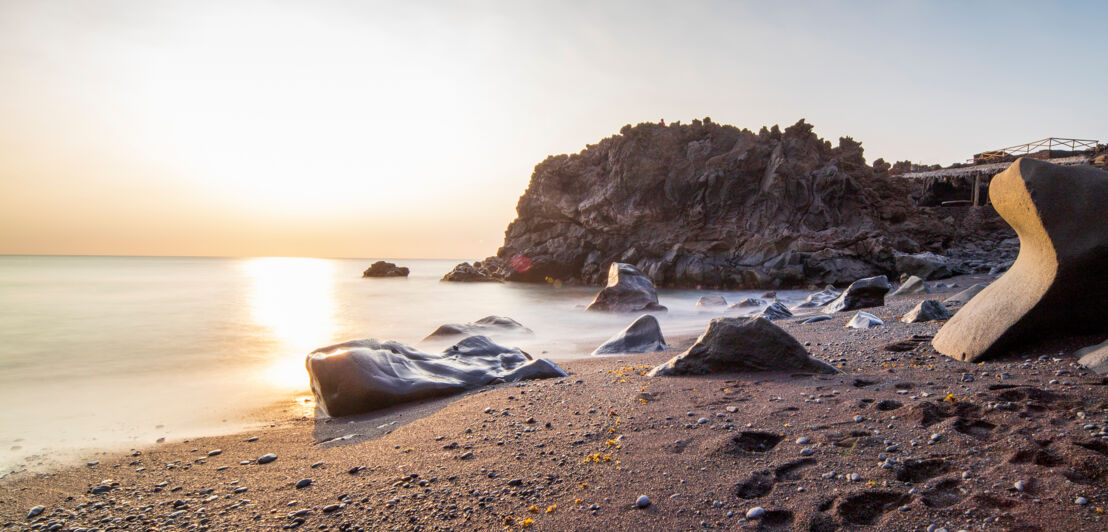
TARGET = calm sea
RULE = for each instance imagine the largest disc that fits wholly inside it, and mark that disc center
(116, 352)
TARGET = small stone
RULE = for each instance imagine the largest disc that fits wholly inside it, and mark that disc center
(807, 451)
(1079, 501)
(859, 419)
(1020, 485)
(642, 502)
(266, 458)
(331, 508)
(303, 483)
(755, 512)
(803, 440)
(215, 452)
(35, 511)
(702, 421)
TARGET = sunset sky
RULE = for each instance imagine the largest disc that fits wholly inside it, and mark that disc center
(409, 129)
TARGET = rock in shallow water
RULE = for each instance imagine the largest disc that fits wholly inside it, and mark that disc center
(385, 269)
(929, 310)
(1059, 282)
(468, 273)
(628, 290)
(741, 345)
(644, 335)
(776, 311)
(819, 299)
(711, 301)
(863, 293)
(486, 325)
(364, 375)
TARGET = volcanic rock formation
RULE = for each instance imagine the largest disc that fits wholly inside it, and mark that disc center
(628, 290)
(644, 335)
(740, 345)
(385, 269)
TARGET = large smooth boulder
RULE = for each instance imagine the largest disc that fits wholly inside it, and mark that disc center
(929, 310)
(914, 285)
(1059, 282)
(963, 297)
(385, 269)
(863, 293)
(365, 375)
(819, 299)
(644, 335)
(924, 265)
(628, 290)
(750, 302)
(742, 345)
(468, 273)
(1094, 357)
(775, 311)
(486, 325)
(711, 301)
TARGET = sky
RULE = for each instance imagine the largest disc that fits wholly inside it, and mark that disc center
(410, 129)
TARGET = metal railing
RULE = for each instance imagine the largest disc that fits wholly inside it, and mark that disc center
(1049, 144)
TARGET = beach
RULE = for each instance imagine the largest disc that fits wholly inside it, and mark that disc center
(900, 440)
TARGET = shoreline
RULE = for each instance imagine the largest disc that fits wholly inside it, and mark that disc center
(575, 453)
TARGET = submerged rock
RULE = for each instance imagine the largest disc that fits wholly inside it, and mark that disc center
(924, 265)
(365, 375)
(914, 285)
(929, 310)
(741, 345)
(711, 301)
(385, 269)
(819, 299)
(963, 297)
(776, 311)
(864, 320)
(486, 325)
(468, 273)
(1059, 282)
(863, 293)
(644, 335)
(750, 302)
(1094, 357)
(628, 290)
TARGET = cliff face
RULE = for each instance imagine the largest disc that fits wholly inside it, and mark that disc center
(704, 204)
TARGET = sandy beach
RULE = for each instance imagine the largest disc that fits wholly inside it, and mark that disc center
(901, 440)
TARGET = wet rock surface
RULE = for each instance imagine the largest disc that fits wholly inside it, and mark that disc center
(484, 326)
(385, 269)
(628, 290)
(863, 293)
(469, 273)
(644, 335)
(740, 345)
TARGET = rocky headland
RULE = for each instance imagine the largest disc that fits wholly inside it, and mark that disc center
(712, 205)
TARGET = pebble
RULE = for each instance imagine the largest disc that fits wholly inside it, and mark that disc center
(215, 452)
(35, 511)
(859, 419)
(1020, 486)
(266, 458)
(303, 483)
(755, 512)
(642, 502)
(1080, 501)
(331, 508)
(807, 451)
(702, 421)
(803, 440)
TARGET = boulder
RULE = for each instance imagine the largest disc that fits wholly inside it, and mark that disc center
(819, 299)
(486, 325)
(914, 285)
(961, 298)
(776, 311)
(750, 302)
(863, 293)
(929, 310)
(742, 345)
(628, 290)
(1059, 282)
(1094, 357)
(924, 265)
(644, 335)
(864, 320)
(467, 273)
(711, 301)
(385, 269)
(365, 375)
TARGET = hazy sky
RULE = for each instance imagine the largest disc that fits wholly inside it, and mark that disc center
(409, 129)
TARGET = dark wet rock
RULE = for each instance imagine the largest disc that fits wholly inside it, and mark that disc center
(364, 375)
(628, 290)
(1094, 357)
(644, 335)
(711, 301)
(266, 458)
(963, 297)
(741, 345)
(385, 269)
(484, 326)
(711, 205)
(34, 512)
(1059, 282)
(750, 302)
(817, 319)
(775, 311)
(863, 293)
(914, 285)
(924, 265)
(929, 310)
(819, 299)
(864, 320)
(468, 273)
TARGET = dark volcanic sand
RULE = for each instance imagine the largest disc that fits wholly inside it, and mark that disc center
(575, 453)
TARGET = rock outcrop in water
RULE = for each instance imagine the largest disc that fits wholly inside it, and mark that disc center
(483, 326)
(628, 290)
(709, 205)
(365, 375)
(385, 269)
(1059, 282)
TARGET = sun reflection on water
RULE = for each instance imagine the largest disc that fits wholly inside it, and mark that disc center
(294, 299)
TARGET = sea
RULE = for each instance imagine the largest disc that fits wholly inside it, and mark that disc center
(105, 353)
